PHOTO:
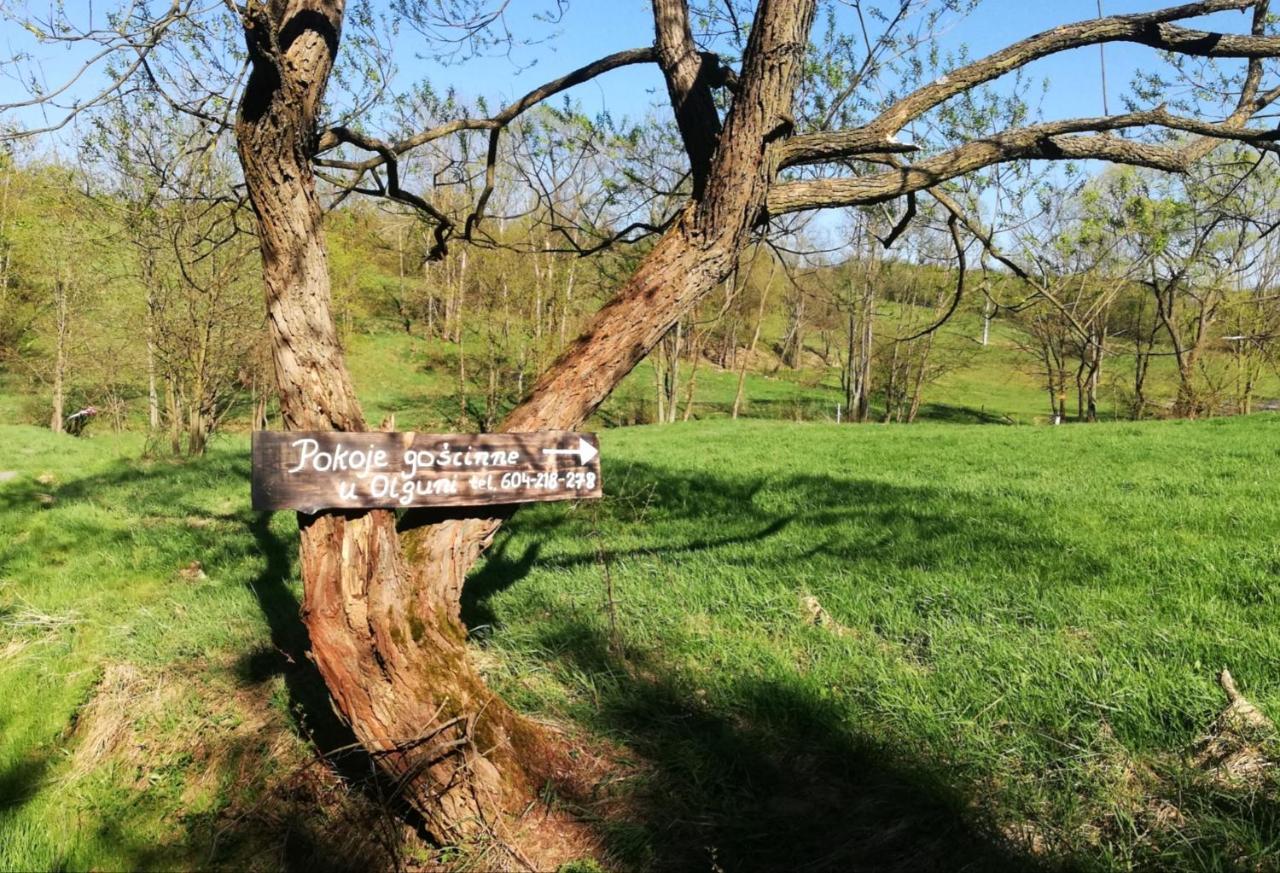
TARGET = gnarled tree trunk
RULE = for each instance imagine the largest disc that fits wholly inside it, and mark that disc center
(391, 652)
(381, 605)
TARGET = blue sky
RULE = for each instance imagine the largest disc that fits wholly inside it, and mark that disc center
(592, 28)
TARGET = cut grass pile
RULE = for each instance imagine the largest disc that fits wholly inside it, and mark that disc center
(1014, 658)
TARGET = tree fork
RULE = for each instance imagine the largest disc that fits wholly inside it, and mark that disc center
(382, 607)
(694, 256)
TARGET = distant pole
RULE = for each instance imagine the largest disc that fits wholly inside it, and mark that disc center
(1102, 62)
(837, 413)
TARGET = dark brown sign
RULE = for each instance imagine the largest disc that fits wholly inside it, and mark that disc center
(313, 470)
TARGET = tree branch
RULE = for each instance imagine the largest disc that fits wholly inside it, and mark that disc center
(688, 76)
(1148, 28)
(1048, 141)
(392, 190)
(329, 139)
(961, 266)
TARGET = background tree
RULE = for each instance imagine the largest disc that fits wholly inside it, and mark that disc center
(1198, 236)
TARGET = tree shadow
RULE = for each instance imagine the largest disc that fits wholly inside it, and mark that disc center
(21, 780)
(498, 572)
(953, 414)
(773, 776)
(853, 526)
(282, 828)
(774, 779)
(287, 657)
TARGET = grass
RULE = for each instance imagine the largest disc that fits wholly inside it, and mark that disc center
(153, 712)
(1022, 629)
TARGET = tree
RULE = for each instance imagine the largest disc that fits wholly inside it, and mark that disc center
(190, 258)
(52, 289)
(1080, 269)
(859, 304)
(382, 599)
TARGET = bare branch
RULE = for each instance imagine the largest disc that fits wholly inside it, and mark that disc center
(1148, 28)
(393, 191)
(902, 224)
(330, 140)
(952, 223)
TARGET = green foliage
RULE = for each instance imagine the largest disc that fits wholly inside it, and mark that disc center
(584, 865)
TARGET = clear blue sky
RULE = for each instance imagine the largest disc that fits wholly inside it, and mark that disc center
(593, 28)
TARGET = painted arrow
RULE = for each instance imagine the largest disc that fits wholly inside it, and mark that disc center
(585, 451)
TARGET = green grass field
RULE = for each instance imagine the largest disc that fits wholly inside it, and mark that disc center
(1016, 656)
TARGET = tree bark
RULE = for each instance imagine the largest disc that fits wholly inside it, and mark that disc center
(382, 607)
(392, 655)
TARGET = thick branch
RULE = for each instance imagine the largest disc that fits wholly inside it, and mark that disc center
(1049, 141)
(688, 76)
(811, 148)
(1148, 28)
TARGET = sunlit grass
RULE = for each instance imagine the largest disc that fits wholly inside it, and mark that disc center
(1024, 629)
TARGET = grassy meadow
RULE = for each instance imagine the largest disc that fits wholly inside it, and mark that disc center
(933, 647)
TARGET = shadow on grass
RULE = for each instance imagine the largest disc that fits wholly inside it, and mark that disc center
(497, 571)
(799, 408)
(773, 528)
(273, 819)
(287, 656)
(21, 780)
(774, 780)
(952, 414)
(770, 776)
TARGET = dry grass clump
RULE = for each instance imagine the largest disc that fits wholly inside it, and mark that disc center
(251, 793)
(1240, 748)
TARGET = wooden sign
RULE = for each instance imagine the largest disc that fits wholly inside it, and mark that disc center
(313, 470)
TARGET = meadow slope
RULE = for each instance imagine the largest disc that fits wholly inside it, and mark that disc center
(926, 646)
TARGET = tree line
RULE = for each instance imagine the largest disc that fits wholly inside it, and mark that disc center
(134, 291)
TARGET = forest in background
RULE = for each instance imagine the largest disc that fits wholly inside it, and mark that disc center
(134, 290)
(821, 646)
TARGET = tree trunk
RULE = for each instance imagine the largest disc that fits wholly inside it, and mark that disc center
(382, 607)
(660, 395)
(61, 313)
(1186, 403)
(392, 655)
(676, 340)
(849, 373)
(755, 339)
(153, 305)
(691, 389)
(173, 404)
(1095, 375)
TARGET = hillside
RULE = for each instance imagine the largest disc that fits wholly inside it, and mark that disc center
(415, 379)
(826, 646)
